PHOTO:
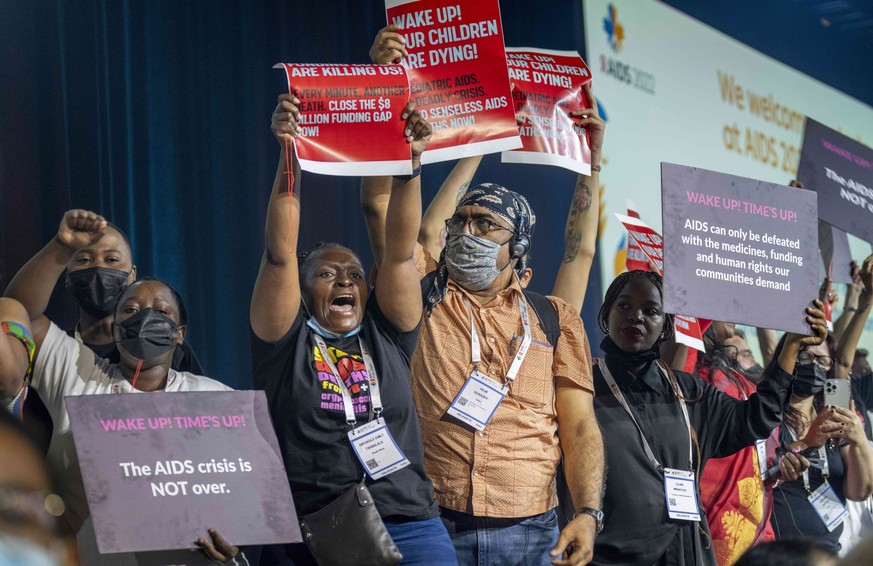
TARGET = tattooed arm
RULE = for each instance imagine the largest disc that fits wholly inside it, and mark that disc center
(580, 238)
(432, 233)
(579, 242)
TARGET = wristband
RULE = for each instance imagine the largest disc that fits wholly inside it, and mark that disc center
(595, 168)
(21, 333)
(18, 331)
(405, 178)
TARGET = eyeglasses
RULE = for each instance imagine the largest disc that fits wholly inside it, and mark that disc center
(479, 226)
(807, 357)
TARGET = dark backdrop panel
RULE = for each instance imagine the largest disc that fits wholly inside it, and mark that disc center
(156, 114)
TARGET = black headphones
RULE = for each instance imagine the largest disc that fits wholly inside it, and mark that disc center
(520, 243)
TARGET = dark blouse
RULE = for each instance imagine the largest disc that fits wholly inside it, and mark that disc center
(636, 528)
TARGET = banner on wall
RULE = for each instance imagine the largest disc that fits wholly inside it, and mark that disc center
(159, 469)
(457, 75)
(651, 245)
(737, 249)
(350, 118)
(727, 107)
(546, 86)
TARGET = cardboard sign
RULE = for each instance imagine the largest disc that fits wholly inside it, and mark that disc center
(160, 468)
(649, 242)
(840, 171)
(546, 86)
(737, 249)
(836, 256)
(457, 74)
(350, 118)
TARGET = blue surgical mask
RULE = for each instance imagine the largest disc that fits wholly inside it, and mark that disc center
(325, 333)
(17, 551)
(471, 261)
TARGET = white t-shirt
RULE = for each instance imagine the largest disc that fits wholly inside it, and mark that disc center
(65, 366)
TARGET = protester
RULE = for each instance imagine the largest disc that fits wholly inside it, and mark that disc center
(859, 299)
(16, 356)
(843, 471)
(319, 341)
(660, 427)
(148, 330)
(96, 275)
(736, 499)
(496, 487)
(789, 552)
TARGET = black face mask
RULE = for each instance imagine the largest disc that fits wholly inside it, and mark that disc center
(148, 334)
(809, 380)
(627, 359)
(754, 374)
(97, 289)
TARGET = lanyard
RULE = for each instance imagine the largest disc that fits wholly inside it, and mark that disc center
(823, 455)
(375, 396)
(476, 352)
(619, 396)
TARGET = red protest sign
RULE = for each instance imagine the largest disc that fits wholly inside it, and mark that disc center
(635, 258)
(457, 75)
(350, 118)
(546, 85)
(687, 328)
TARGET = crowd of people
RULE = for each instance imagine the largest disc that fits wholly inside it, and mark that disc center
(518, 447)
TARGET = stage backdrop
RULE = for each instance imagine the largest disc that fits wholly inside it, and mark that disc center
(679, 91)
(157, 115)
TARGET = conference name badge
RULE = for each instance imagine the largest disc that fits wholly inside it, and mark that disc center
(477, 401)
(761, 448)
(376, 449)
(828, 506)
(681, 491)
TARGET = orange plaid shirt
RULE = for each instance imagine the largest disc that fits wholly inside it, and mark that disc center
(508, 469)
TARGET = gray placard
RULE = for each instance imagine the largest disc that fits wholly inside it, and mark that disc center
(720, 258)
(208, 440)
(840, 171)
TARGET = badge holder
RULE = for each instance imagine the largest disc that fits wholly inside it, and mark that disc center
(372, 442)
(830, 509)
(681, 491)
(477, 401)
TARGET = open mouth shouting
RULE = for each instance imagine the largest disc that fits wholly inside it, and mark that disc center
(343, 304)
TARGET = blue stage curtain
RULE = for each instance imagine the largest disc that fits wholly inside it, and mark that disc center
(156, 114)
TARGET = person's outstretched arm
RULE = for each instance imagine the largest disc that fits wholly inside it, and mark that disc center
(432, 233)
(388, 47)
(580, 241)
(33, 284)
(276, 297)
(852, 333)
(397, 288)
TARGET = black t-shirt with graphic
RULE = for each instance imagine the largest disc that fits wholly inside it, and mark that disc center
(307, 410)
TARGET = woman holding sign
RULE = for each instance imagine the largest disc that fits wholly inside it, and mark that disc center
(660, 427)
(335, 366)
(832, 437)
(148, 329)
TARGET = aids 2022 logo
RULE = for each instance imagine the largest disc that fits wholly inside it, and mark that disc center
(617, 68)
(614, 30)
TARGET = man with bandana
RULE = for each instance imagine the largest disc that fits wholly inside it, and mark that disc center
(499, 407)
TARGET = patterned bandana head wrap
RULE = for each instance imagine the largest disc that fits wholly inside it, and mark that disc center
(507, 205)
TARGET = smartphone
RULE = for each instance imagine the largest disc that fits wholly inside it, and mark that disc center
(838, 392)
